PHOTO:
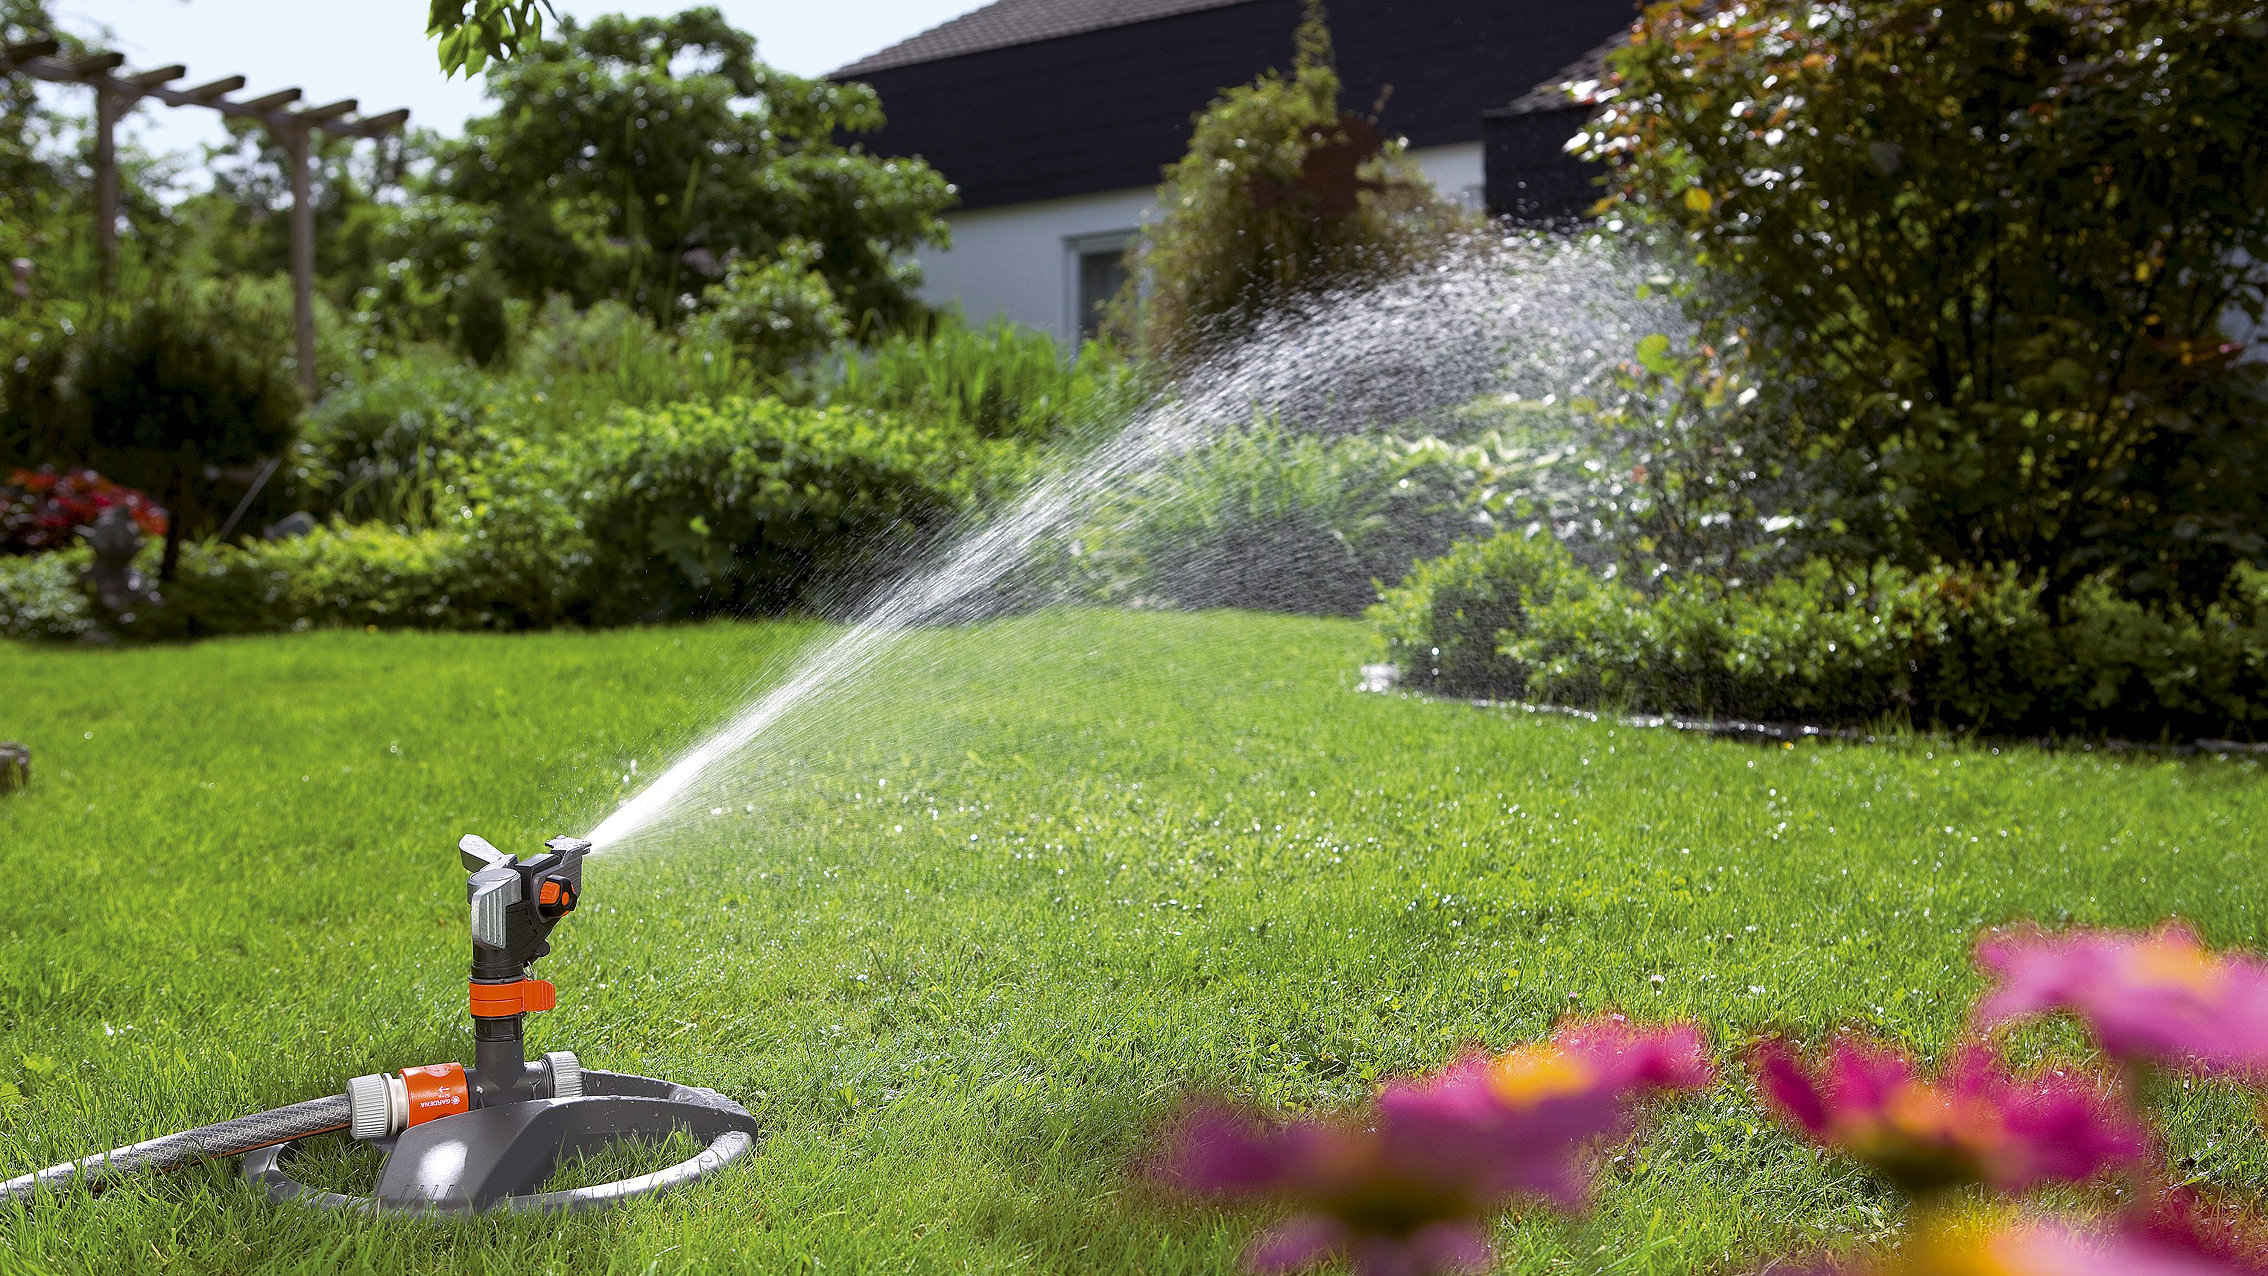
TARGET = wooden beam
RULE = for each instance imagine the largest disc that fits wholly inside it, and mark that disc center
(96, 63)
(325, 113)
(218, 88)
(152, 79)
(28, 50)
(375, 125)
(263, 105)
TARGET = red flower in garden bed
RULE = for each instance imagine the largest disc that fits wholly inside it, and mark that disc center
(44, 509)
(2160, 997)
(1978, 1123)
(1407, 1188)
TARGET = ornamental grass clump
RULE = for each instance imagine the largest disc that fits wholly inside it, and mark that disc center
(1408, 1186)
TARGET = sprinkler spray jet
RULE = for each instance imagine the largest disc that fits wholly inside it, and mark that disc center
(463, 1140)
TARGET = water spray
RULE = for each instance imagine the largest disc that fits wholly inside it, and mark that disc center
(458, 1139)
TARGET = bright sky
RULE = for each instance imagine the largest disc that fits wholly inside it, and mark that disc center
(376, 50)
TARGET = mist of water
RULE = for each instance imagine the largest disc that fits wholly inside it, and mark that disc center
(1522, 316)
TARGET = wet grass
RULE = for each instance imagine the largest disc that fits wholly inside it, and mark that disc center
(961, 958)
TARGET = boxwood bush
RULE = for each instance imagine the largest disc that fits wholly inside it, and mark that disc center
(1515, 616)
(673, 512)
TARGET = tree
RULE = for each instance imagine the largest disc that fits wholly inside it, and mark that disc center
(638, 158)
(1984, 256)
(1281, 192)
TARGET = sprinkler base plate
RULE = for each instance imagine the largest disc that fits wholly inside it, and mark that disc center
(494, 1158)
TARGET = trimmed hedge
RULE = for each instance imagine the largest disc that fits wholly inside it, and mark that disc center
(1515, 616)
(690, 510)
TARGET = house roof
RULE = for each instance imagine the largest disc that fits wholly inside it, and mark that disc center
(1011, 22)
(1575, 85)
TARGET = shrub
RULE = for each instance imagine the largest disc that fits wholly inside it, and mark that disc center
(1963, 648)
(43, 510)
(751, 504)
(776, 314)
(1001, 381)
(40, 596)
(1985, 255)
(1443, 625)
(376, 450)
(157, 396)
(1280, 193)
(1271, 519)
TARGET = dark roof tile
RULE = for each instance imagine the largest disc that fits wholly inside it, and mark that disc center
(1011, 22)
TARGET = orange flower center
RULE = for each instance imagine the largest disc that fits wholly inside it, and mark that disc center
(2177, 962)
(1531, 1074)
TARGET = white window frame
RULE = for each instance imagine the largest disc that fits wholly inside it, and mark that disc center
(1074, 248)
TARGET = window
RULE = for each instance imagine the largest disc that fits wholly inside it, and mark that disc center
(1098, 272)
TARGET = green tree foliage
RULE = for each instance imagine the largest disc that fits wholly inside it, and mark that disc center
(1980, 258)
(469, 34)
(154, 396)
(1280, 192)
(242, 226)
(776, 313)
(638, 158)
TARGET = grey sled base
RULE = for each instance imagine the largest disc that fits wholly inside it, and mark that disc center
(494, 1158)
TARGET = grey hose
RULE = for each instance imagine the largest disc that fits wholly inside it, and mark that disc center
(205, 1143)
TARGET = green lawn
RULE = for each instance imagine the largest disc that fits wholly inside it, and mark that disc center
(1116, 855)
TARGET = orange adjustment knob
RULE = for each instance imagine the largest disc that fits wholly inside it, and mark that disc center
(555, 897)
(522, 996)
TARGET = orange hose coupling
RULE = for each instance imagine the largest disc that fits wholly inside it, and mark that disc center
(389, 1103)
(521, 996)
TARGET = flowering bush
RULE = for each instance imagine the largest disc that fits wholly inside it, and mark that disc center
(44, 509)
(1406, 1188)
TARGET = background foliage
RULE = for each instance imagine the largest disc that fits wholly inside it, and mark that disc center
(1979, 260)
(1281, 192)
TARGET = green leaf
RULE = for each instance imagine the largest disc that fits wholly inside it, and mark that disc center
(1654, 355)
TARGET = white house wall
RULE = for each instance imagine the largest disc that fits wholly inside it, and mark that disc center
(1019, 260)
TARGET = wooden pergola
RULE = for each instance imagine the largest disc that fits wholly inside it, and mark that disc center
(116, 94)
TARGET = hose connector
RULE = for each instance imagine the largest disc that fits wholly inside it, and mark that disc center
(387, 1103)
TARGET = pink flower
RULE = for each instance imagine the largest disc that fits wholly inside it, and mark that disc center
(1977, 1124)
(2161, 997)
(2037, 1249)
(1407, 1190)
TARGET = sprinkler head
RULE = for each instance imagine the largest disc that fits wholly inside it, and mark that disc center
(515, 904)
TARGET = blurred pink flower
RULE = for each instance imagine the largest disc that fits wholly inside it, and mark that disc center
(2033, 1249)
(2161, 997)
(1977, 1124)
(1407, 1190)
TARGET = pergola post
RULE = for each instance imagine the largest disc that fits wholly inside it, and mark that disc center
(295, 141)
(108, 107)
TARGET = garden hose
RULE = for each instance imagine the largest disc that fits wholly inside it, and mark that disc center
(205, 1143)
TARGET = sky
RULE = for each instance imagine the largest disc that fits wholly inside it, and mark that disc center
(376, 52)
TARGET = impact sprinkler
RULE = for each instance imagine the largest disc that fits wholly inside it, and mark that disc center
(463, 1140)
